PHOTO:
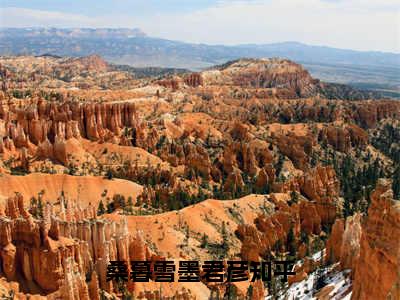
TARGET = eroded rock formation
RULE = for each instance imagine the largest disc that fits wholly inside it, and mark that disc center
(65, 254)
(379, 260)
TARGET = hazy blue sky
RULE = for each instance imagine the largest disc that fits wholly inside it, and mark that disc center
(354, 24)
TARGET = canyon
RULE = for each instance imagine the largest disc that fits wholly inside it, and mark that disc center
(250, 160)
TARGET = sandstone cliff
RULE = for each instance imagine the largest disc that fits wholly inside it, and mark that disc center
(377, 272)
(65, 254)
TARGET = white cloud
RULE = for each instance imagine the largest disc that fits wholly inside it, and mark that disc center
(354, 24)
(346, 24)
(23, 17)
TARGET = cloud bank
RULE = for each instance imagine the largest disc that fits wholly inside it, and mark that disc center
(354, 24)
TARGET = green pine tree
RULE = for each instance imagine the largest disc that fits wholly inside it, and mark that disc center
(129, 208)
(122, 202)
(40, 208)
(396, 184)
(249, 294)
(291, 242)
(101, 210)
(109, 174)
(294, 197)
(204, 241)
(110, 207)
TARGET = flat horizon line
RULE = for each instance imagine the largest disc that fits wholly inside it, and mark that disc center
(145, 35)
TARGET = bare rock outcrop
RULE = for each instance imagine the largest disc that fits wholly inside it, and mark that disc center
(292, 79)
(379, 261)
(56, 253)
